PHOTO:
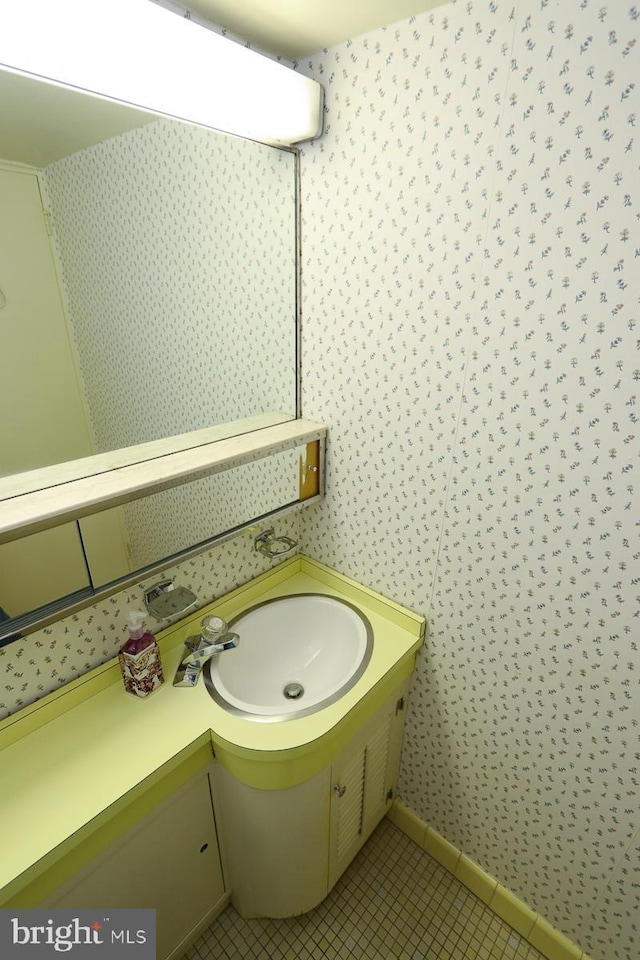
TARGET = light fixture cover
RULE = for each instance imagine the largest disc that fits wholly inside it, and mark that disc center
(143, 54)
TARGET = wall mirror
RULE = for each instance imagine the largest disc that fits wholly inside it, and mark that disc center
(148, 288)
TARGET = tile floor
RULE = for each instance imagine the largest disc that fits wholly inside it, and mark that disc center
(394, 902)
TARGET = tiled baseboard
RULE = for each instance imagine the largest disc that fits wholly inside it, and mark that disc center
(517, 914)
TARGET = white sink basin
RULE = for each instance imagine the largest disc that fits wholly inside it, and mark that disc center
(296, 655)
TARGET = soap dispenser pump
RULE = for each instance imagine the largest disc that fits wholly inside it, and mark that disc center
(139, 659)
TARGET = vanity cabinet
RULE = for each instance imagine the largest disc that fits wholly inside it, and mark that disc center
(294, 800)
(169, 862)
(286, 848)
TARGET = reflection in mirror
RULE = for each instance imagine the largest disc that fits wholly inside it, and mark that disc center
(40, 569)
(148, 288)
(173, 248)
(168, 523)
(154, 531)
(177, 249)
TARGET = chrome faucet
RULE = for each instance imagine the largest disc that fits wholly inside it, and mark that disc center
(214, 638)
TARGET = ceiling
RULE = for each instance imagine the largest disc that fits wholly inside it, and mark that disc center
(295, 28)
(41, 121)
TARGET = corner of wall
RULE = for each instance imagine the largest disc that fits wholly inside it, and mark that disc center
(550, 942)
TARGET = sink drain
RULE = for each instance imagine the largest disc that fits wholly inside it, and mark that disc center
(293, 691)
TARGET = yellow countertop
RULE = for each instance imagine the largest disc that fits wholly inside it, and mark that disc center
(69, 760)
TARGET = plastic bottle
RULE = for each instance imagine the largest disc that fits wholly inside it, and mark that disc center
(139, 658)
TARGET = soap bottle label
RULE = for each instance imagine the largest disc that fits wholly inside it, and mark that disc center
(141, 672)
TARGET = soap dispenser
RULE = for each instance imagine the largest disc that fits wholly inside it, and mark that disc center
(139, 659)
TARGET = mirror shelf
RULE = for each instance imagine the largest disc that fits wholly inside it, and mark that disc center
(169, 462)
(30, 481)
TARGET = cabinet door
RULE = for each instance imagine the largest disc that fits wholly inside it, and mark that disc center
(276, 844)
(364, 779)
(169, 863)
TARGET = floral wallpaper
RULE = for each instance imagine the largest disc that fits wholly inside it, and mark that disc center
(470, 307)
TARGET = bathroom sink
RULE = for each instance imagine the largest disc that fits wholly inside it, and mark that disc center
(296, 654)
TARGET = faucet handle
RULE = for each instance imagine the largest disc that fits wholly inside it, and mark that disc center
(212, 628)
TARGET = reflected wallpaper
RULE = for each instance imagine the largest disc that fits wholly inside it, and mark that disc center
(177, 254)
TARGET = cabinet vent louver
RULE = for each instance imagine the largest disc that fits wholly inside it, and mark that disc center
(351, 804)
(377, 754)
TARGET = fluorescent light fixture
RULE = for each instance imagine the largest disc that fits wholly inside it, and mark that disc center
(143, 54)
